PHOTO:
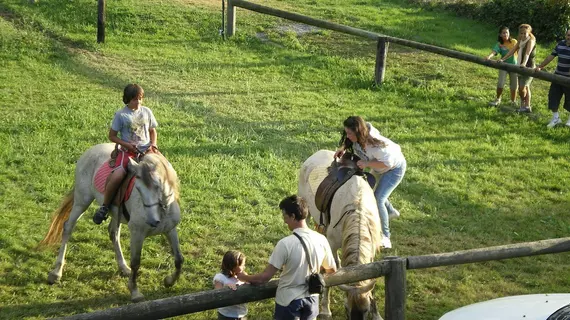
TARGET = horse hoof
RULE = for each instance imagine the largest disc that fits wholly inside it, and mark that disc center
(53, 278)
(137, 297)
(125, 272)
(169, 281)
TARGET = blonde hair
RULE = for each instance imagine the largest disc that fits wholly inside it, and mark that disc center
(526, 26)
(157, 163)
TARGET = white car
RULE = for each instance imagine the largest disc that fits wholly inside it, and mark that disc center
(550, 306)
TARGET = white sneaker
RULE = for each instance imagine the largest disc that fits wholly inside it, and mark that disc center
(386, 243)
(554, 122)
(495, 102)
(568, 122)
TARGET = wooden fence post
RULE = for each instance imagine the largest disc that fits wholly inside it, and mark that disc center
(381, 52)
(231, 26)
(101, 21)
(395, 289)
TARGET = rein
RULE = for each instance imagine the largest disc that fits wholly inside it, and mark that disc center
(339, 220)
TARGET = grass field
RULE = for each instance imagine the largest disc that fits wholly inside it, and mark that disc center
(238, 117)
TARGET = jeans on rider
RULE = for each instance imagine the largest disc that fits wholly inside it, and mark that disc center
(388, 182)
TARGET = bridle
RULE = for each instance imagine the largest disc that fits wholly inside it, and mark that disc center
(158, 203)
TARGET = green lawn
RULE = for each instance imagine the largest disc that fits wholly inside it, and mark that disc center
(238, 117)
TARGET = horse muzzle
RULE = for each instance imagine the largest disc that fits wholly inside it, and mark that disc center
(153, 222)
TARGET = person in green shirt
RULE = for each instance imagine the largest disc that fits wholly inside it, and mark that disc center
(503, 46)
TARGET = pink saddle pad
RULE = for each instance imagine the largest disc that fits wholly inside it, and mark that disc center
(100, 180)
(101, 177)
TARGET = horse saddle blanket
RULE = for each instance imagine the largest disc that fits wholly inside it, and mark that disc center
(335, 179)
(102, 176)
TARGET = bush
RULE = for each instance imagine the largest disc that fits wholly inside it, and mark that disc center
(549, 18)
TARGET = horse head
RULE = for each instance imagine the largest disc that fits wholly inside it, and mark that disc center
(157, 183)
(359, 299)
(360, 243)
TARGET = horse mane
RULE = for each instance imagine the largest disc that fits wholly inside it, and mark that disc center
(361, 236)
(157, 163)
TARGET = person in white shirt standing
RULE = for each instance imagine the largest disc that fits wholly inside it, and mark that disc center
(293, 300)
(383, 156)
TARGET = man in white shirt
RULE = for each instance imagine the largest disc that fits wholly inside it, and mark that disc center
(293, 300)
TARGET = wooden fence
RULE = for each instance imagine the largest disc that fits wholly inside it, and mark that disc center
(393, 269)
(383, 42)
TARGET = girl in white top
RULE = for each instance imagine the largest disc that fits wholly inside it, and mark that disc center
(233, 263)
(383, 156)
(526, 48)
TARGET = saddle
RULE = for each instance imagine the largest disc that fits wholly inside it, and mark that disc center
(338, 174)
(124, 191)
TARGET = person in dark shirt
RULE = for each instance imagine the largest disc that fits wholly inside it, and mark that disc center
(562, 51)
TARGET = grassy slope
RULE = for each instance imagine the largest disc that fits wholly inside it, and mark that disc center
(237, 120)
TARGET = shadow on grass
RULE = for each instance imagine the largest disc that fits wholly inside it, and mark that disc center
(295, 140)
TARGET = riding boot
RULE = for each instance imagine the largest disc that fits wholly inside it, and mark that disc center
(101, 214)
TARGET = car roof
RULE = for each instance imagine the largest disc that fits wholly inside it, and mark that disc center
(523, 307)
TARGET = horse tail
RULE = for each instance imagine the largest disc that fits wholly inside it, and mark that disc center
(60, 216)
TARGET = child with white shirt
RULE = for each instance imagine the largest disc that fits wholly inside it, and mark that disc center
(233, 263)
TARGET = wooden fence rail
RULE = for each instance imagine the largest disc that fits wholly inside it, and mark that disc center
(392, 268)
(490, 253)
(383, 41)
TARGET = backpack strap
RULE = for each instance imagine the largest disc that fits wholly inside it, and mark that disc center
(306, 251)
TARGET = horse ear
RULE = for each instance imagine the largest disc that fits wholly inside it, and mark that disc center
(133, 167)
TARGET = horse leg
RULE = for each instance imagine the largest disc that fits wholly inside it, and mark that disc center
(325, 312)
(178, 258)
(76, 211)
(115, 236)
(137, 239)
(374, 309)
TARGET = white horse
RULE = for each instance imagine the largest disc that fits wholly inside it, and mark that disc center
(354, 228)
(153, 208)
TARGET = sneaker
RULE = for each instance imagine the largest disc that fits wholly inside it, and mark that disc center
(386, 243)
(554, 122)
(568, 122)
(495, 103)
(101, 215)
(395, 213)
(513, 104)
(524, 110)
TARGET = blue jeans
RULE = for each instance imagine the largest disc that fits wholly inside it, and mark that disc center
(303, 309)
(388, 182)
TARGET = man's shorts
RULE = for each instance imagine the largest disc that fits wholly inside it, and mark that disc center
(303, 309)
